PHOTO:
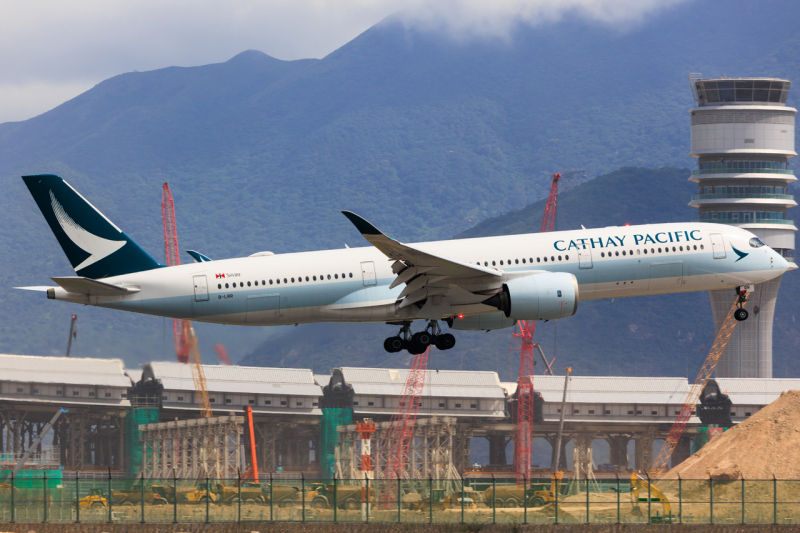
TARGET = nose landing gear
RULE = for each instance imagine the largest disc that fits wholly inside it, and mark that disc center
(419, 342)
(741, 313)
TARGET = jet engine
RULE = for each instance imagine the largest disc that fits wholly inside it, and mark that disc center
(547, 296)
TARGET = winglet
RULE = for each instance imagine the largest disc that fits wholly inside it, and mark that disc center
(198, 257)
(362, 225)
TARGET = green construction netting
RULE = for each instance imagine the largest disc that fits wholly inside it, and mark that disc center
(133, 444)
(331, 418)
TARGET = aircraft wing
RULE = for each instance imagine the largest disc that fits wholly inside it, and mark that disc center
(425, 274)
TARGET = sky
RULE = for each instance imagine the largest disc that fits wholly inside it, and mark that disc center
(52, 50)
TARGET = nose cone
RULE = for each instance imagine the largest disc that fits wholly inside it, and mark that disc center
(780, 263)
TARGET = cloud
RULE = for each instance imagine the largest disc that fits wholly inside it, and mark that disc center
(479, 18)
(51, 48)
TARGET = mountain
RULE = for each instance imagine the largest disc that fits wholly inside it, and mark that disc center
(423, 134)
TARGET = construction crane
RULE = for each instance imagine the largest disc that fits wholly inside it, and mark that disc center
(401, 427)
(524, 440)
(173, 256)
(679, 426)
(252, 472)
(222, 353)
(185, 340)
(73, 333)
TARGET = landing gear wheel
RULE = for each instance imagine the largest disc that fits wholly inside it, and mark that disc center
(445, 341)
(740, 314)
(414, 348)
(393, 344)
(422, 338)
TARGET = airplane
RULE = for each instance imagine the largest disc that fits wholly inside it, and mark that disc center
(470, 284)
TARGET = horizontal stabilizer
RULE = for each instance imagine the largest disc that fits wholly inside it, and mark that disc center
(92, 287)
(40, 288)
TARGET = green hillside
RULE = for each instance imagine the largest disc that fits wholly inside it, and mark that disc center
(423, 134)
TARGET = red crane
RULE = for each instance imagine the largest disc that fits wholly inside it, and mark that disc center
(401, 427)
(173, 258)
(222, 353)
(524, 441)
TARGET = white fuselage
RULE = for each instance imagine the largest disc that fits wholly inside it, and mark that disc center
(352, 284)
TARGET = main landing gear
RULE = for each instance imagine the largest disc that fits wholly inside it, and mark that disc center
(419, 341)
(741, 313)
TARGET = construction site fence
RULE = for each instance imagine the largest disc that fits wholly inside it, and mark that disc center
(455, 501)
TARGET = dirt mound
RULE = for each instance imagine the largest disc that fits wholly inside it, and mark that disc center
(766, 444)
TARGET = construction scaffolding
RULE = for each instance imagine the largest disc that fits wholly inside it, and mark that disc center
(430, 454)
(194, 449)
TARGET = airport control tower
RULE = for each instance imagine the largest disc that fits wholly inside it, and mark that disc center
(743, 136)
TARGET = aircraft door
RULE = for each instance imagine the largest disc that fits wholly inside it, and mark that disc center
(585, 258)
(717, 245)
(368, 273)
(200, 289)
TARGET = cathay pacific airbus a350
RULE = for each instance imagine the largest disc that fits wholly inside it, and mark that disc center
(471, 284)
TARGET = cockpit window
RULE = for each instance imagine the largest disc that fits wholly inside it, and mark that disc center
(755, 242)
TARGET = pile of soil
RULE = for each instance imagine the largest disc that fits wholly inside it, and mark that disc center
(766, 444)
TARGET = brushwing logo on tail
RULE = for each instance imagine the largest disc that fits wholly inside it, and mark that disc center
(98, 247)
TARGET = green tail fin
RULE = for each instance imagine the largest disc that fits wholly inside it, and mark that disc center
(95, 247)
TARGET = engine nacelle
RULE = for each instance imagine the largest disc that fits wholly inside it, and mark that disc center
(486, 322)
(548, 296)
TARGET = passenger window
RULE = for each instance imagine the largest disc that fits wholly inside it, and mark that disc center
(336, 276)
(270, 282)
(256, 283)
(278, 281)
(652, 250)
(681, 248)
(623, 252)
(315, 278)
(545, 259)
(638, 252)
(695, 247)
(566, 257)
(285, 280)
(501, 262)
(299, 279)
(559, 258)
(531, 259)
(673, 248)
(342, 275)
(329, 276)
(219, 285)
(292, 280)
(263, 282)
(241, 283)
(248, 284)
(701, 246)
(486, 263)
(616, 253)
(351, 274)
(659, 250)
(494, 264)
(226, 285)
(306, 278)
(523, 260)
(552, 258)
(516, 261)
(602, 254)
